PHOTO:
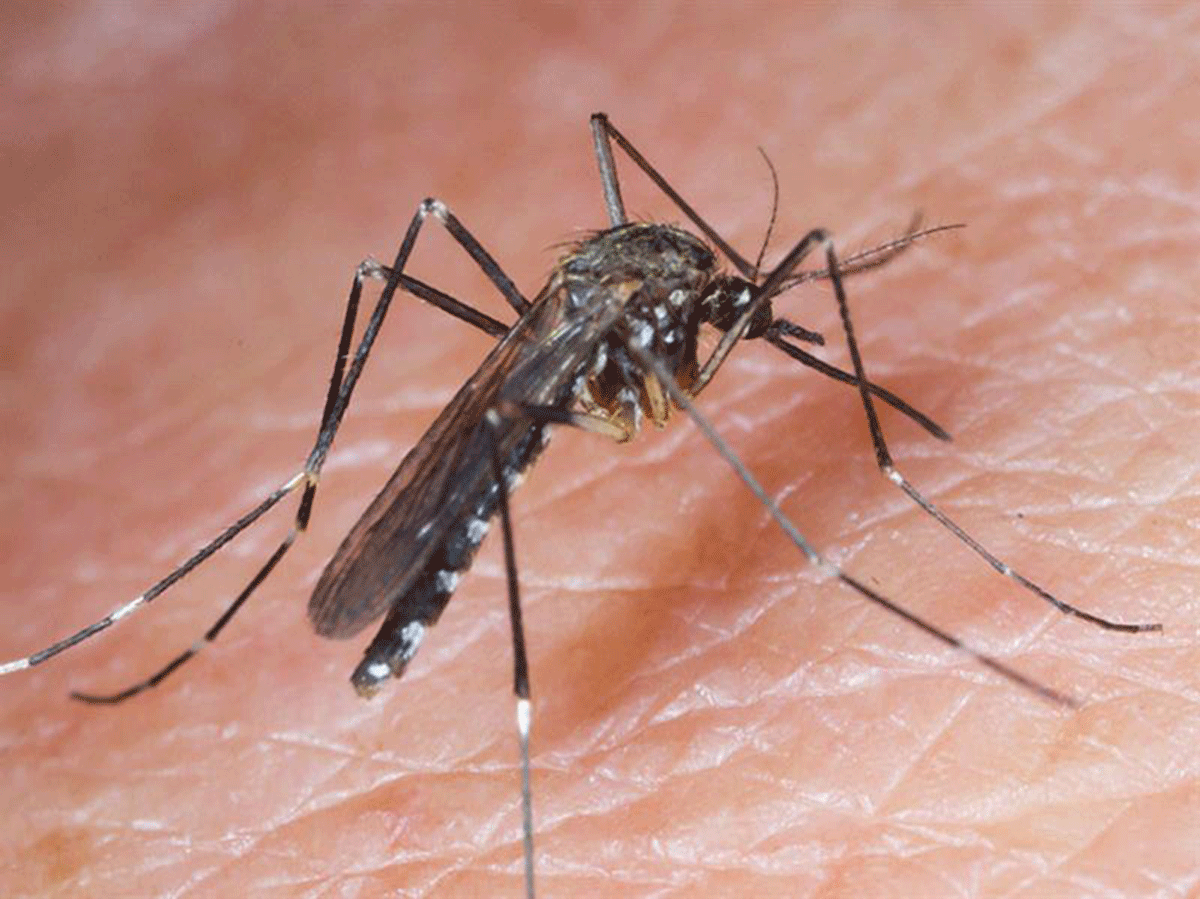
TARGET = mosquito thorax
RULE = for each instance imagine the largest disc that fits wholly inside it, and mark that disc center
(663, 256)
(660, 273)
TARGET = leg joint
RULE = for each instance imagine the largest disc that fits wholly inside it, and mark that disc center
(372, 269)
(436, 208)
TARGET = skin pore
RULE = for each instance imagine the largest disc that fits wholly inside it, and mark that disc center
(187, 202)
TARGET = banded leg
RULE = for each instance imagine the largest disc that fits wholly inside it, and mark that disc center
(546, 415)
(828, 568)
(365, 270)
(883, 459)
(520, 659)
(341, 387)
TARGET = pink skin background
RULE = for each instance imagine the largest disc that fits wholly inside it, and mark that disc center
(185, 196)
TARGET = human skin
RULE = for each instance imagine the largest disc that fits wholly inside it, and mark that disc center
(186, 203)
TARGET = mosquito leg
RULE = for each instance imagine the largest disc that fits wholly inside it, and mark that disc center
(776, 339)
(681, 399)
(209, 636)
(309, 478)
(604, 133)
(784, 328)
(339, 392)
(341, 385)
(584, 421)
(884, 460)
(159, 588)
(450, 305)
(608, 170)
(337, 397)
(520, 659)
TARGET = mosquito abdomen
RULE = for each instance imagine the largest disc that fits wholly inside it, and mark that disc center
(419, 608)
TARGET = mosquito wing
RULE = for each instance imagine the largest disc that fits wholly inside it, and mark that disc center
(537, 363)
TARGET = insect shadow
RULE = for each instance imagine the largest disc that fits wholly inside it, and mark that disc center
(613, 339)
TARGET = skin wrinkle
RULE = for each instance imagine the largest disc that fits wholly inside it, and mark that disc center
(932, 740)
(302, 254)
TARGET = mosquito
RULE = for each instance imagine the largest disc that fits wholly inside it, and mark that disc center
(613, 339)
